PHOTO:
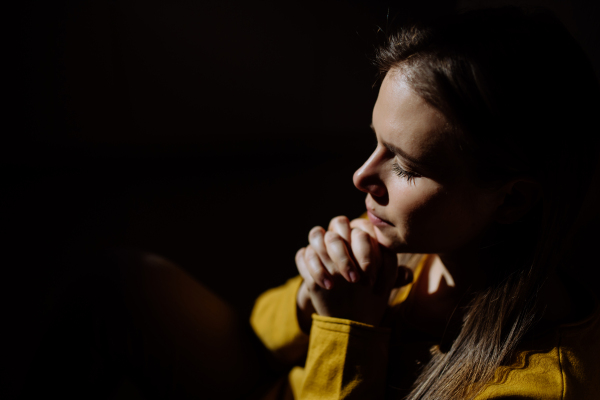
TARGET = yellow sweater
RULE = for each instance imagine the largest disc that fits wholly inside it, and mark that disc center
(344, 359)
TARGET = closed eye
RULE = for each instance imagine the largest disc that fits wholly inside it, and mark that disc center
(401, 172)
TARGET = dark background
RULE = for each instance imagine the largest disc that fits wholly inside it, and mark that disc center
(214, 133)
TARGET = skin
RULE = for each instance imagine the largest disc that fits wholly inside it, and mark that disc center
(421, 198)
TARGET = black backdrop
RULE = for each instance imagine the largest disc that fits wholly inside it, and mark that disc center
(214, 133)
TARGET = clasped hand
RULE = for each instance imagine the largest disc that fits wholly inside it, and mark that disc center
(347, 273)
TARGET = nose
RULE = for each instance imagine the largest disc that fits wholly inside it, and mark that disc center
(367, 177)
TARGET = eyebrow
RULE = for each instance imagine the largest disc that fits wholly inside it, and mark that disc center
(399, 152)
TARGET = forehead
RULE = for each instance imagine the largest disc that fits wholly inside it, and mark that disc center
(406, 120)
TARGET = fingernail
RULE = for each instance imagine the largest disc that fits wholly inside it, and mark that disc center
(327, 283)
(353, 276)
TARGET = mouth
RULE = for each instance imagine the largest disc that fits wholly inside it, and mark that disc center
(376, 220)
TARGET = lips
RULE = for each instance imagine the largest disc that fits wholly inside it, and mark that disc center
(378, 221)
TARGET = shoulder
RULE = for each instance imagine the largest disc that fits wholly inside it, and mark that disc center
(563, 364)
(579, 351)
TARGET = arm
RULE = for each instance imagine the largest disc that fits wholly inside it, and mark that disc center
(346, 360)
(275, 321)
(347, 274)
(348, 351)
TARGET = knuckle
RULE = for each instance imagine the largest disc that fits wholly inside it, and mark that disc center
(347, 266)
(360, 234)
(331, 237)
(315, 232)
(337, 221)
(364, 225)
(319, 275)
(310, 285)
(311, 256)
(365, 260)
(343, 263)
(341, 219)
(342, 224)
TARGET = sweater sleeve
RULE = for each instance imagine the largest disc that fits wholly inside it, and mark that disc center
(346, 360)
(275, 322)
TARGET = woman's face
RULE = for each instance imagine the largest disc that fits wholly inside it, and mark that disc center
(420, 194)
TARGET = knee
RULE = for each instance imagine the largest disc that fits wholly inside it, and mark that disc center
(128, 265)
(147, 280)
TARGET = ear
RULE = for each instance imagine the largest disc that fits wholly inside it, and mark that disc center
(520, 195)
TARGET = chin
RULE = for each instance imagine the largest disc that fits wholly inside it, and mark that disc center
(391, 243)
(396, 244)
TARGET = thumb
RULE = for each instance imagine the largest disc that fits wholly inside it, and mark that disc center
(388, 275)
(365, 225)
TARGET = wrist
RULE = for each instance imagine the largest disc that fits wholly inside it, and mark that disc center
(304, 308)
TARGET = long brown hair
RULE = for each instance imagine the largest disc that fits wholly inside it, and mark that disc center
(522, 99)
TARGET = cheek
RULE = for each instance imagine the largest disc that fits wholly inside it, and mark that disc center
(416, 208)
(409, 202)
(445, 222)
(431, 218)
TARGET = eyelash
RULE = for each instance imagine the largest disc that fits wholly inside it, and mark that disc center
(409, 176)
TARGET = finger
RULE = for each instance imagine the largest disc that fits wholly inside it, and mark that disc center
(366, 253)
(316, 238)
(316, 269)
(339, 254)
(341, 225)
(364, 224)
(303, 269)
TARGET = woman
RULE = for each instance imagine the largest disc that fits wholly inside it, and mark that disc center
(485, 161)
(484, 185)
